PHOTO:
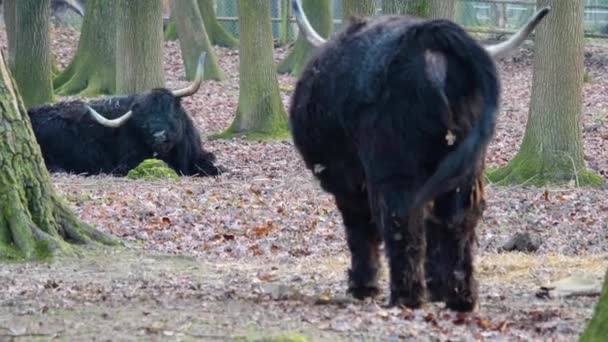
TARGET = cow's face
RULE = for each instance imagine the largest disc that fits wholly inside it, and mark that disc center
(159, 119)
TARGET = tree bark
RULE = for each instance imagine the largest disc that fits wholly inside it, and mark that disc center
(361, 8)
(139, 65)
(418, 8)
(285, 22)
(9, 24)
(441, 9)
(216, 32)
(93, 69)
(321, 18)
(552, 148)
(34, 221)
(171, 30)
(31, 57)
(260, 113)
(597, 329)
(193, 40)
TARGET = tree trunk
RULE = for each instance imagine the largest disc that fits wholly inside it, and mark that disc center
(9, 24)
(139, 65)
(31, 58)
(419, 8)
(34, 222)
(361, 8)
(441, 9)
(552, 149)
(597, 329)
(285, 22)
(321, 18)
(93, 69)
(260, 113)
(216, 32)
(171, 30)
(193, 40)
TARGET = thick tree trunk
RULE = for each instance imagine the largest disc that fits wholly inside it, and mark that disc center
(441, 9)
(216, 32)
(93, 69)
(139, 65)
(34, 222)
(597, 329)
(260, 113)
(193, 40)
(552, 148)
(31, 59)
(361, 8)
(321, 18)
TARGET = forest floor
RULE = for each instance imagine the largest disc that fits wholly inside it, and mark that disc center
(260, 251)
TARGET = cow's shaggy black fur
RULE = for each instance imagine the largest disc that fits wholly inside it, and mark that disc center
(71, 141)
(393, 116)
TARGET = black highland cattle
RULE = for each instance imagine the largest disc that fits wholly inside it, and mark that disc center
(75, 138)
(393, 115)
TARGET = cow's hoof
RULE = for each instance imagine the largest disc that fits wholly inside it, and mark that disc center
(435, 292)
(462, 305)
(412, 302)
(362, 292)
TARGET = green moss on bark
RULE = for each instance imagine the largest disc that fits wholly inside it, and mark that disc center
(216, 32)
(34, 222)
(321, 18)
(260, 113)
(93, 69)
(193, 39)
(597, 329)
(171, 29)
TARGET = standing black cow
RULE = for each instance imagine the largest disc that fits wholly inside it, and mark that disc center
(75, 138)
(393, 115)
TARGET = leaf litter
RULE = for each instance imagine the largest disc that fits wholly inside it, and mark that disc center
(263, 245)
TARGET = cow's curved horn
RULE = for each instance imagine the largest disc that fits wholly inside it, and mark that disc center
(198, 79)
(502, 49)
(109, 122)
(304, 25)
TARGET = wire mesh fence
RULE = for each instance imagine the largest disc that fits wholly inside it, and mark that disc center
(493, 17)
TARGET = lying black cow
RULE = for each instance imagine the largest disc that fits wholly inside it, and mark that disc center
(75, 138)
(393, 115)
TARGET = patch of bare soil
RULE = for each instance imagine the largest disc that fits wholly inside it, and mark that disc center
(261, 250)
(131, 295)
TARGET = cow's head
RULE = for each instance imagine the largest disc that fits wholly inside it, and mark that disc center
(496, 51)
(157, 115)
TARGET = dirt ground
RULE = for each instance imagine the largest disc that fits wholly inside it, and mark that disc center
(135, 295)
(260, 251)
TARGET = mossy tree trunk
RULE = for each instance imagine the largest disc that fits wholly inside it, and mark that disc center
(260, 113)
(597, 329)
(93, 69)
(321, 18)
(34, 221)
(441, 9)
(171, 30)
(193, 39)
(31, 57)
(418, 8)
(139, 65)
(216, 32)
(360, 8)
(552, 147)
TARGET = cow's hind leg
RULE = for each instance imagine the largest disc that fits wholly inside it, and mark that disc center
(363, 241)
(451, 240)
(404, 239)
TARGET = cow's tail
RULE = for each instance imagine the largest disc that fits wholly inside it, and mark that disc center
(461, 163)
